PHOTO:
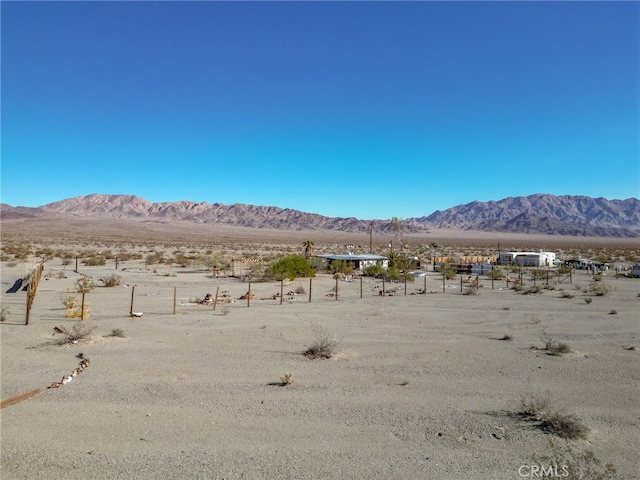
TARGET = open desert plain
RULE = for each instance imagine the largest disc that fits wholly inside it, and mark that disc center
(431, 380)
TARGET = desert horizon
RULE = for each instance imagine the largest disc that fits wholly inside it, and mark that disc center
(428, 380)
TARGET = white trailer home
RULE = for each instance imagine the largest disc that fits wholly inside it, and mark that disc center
(528, 259)
(358, 262)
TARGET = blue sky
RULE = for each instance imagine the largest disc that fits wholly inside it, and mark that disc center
(364, 109)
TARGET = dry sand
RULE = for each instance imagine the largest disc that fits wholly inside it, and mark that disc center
(420, 386)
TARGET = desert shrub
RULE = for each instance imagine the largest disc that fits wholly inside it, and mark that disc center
(287, 379)
(299, 289)
(4, 313)
(530, 290)
(117, 332)
(564, 270)
(94, 261)
(112, 281)
(226, 311)
(448, 270)
(291, 267)
(154, 258)
(599, 288)
(324, 343)
(539, 408)
(588, 300)
(613, 312)
(535, 407)
(12, 264)
(564, 425)
(78, 332)
(552, 347)
(471, 289)
(124, 255)
(575, 465)
(506, 337)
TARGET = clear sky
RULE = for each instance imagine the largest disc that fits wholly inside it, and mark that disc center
(364, 109)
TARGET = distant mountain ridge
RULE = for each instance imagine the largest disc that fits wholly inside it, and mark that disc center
(539, 213)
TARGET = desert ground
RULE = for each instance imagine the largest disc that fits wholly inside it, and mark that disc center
(419, 386)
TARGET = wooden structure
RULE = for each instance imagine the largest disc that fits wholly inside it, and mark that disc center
(241, 266)
(32, 281)
(465, 259)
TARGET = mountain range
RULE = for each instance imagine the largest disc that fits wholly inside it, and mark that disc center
(539, 213)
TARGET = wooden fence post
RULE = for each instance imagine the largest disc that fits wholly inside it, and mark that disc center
(175, 289)
(281, 290)
(310, 279)
(405, 284)
(29, 301)
(249, 296)
(82, 307)
(133, 289)
(336, 288)
(360, 287)
(443, 282)
(215, 300)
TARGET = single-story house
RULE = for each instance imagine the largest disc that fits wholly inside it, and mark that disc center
(358, 261)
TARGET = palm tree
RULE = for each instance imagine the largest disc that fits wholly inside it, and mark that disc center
(308, 248)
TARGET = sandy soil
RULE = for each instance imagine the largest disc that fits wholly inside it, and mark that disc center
(420, 386)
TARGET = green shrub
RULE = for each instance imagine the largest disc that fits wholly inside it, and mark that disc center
(374, 270)
(291, 267)
(496, 274)
(448, 270)
(538, 274)
(340, 266)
